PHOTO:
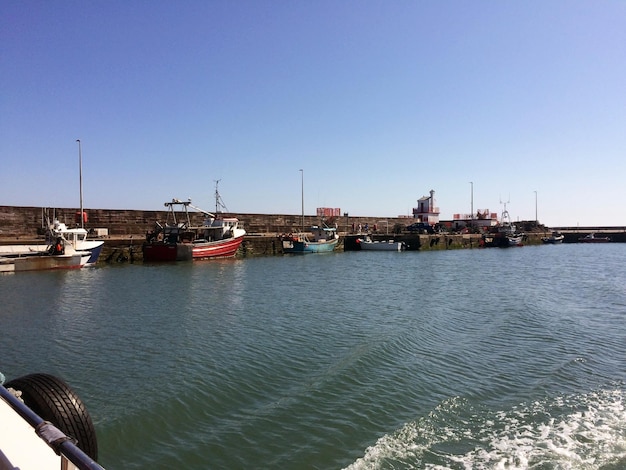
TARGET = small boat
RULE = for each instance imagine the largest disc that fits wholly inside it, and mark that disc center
(591, 238)
(59, 256)
(76, 238)
(73, 242)
(320, 240)
(554, 239)
(506, 233)
(368, 244)
(179, 240)
(515, 240)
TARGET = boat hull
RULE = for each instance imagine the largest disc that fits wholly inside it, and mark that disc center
(381, 246)
(591, 238)
(304, 247)
(219, 249)
(159, 252)
(93, 247)
(44, 262)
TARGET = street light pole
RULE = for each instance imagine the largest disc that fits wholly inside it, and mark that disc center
(80, 178)
(472, 202)
(536, 218)
(302, 191)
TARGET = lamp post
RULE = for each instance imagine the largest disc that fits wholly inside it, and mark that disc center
(472, 203)
(80, 178)
(302, 191)
(536, 218)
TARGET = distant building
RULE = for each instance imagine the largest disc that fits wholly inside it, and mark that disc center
(482, 219)
(426, 211)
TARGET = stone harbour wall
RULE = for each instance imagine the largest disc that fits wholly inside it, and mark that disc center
(21, 222)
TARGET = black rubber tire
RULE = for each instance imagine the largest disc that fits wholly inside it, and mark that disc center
(53, 400)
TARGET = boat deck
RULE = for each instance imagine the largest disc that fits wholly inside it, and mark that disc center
(20, 446)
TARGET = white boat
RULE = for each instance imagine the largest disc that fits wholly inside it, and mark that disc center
(77, 237)
(75, 245)
(65, 257)
(554, 239)
(515, 240)
(74, 239)
(368, 244)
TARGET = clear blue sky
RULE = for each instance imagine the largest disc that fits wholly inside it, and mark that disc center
(377, 102)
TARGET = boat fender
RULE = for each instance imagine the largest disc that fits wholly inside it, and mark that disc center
(54, 401)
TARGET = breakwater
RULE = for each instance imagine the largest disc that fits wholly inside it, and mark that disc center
(27, 221)
(125, 230)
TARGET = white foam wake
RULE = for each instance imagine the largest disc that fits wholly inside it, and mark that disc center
(579, 431)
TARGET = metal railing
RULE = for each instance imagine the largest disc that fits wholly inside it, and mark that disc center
(64, 447)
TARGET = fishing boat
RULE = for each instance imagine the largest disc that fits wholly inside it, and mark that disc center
(367, 244)
(179, 240)
(74, 238)
(505, 234)
(74, 241)
(515, 240)
(321, 239)
(77, 237)
(60, 255)
(554, 239)
(592, 238)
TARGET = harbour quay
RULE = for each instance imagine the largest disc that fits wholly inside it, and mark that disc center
(124, 231)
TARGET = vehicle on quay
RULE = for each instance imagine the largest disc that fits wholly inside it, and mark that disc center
(421, 227)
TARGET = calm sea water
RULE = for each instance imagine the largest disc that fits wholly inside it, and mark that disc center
(497, 358)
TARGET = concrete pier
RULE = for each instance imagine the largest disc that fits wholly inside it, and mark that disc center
(126, 231)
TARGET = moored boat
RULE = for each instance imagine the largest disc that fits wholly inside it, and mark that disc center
(59, 256)
(74, 238)
(368, 244)
(322, 239)
(505, 234)
(77, 237)
(179, 240)
(554, 239)
(515, 240)
(592, 238)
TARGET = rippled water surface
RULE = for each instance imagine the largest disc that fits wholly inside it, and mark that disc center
(497, 358)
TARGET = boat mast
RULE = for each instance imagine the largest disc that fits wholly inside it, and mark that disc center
(80, 177)
(217, 197)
